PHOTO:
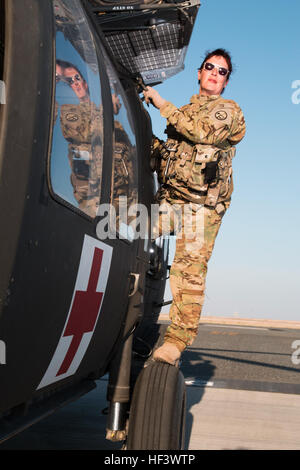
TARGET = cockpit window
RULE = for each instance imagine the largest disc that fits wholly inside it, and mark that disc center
(124, 194)
(77, 147)
(2, 39)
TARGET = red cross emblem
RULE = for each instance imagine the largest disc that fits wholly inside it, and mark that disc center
(84, 312)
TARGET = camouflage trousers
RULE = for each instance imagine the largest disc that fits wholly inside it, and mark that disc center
(196, 228)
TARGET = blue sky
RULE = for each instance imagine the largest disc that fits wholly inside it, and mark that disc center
(254, 271)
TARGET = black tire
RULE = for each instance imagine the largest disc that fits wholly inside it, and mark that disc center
(157, 413)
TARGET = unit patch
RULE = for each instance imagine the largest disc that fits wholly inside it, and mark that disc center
(221, 115)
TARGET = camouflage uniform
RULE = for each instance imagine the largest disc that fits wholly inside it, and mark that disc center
(195, 171)
(124, 191)
(125, 183)
(82, 127)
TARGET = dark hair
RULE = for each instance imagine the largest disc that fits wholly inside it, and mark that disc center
(221, 53)
(68, 65)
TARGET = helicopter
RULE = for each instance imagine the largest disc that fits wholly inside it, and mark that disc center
(80, 292)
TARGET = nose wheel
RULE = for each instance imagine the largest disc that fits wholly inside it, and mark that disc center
(157, 413)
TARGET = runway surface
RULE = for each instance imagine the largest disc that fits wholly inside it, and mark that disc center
(243, 392)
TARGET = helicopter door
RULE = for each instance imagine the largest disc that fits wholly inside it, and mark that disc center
(60, 318)
(93, 164)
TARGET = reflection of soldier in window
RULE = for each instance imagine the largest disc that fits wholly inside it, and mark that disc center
(77, 83)
(70, 74)
(124, 177)
(81, 126)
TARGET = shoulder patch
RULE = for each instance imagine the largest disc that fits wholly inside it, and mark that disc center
(72, 117)
(221, 115)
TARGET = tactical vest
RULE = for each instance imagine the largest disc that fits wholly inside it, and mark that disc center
(122, 161)
(198, 172)
(81, 126)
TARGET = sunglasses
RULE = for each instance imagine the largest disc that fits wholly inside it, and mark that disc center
(71, 80)
(222, 70)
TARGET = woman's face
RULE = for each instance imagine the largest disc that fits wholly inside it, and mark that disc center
(212, 82)
(78, 85)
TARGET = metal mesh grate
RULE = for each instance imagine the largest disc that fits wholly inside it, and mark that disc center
(147, 49)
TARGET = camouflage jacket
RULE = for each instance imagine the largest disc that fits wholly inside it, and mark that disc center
(195, 163)
(82, 127)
